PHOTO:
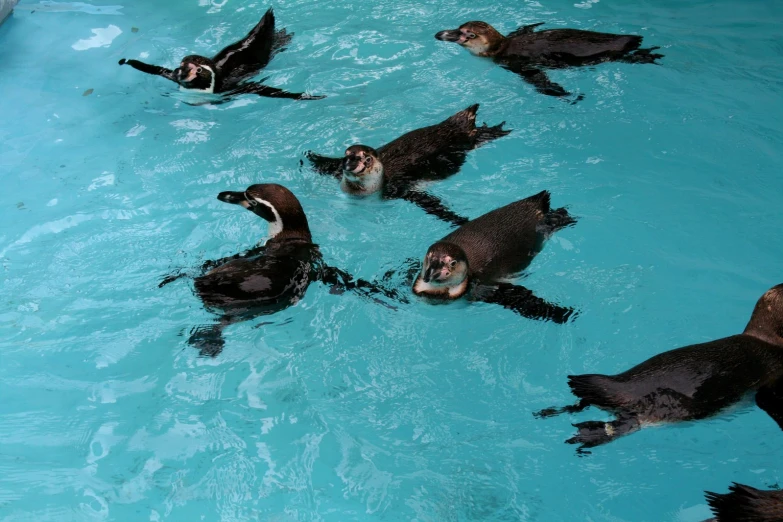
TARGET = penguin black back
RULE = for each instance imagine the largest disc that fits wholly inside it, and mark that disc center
(502, 242)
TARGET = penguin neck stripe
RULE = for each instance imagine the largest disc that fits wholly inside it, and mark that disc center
(276, 226)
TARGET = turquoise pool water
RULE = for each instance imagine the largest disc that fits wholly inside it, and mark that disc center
(337, 409)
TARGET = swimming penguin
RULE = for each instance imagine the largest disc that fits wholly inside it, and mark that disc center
(473, 260)
(527, 52)
(427, 154)
(227, 72)
(690, 383)
(269, 278)
(746, 504)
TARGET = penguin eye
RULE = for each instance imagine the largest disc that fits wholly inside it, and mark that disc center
(199, 70)
(470, 35)
(368, 160)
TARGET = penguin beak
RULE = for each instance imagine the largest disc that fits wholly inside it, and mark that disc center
(236, 198)
(428, 275)
(353, 164)
(449, 35)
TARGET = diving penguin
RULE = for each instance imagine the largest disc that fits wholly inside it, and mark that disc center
(474, 259)
(227, 73)
(528, 53)
(690, 383)
(427, 154)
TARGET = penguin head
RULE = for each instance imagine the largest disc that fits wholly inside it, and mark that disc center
(196, 72)
(767, 319)
(362, 170)
(360, 160)
(477, 37)
(445, 265)
(275, 204)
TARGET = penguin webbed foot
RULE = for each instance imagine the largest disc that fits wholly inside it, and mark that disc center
(208, 339)
(597, 433)
(485, 133)
(522, 301)
(171, 278)
(643, 56)
(559, 410)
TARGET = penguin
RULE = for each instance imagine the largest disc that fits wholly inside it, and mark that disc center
(269, 278)
(427, 154)
(528, 52)
(746, 504)
(690, 383)
(474, 259)
(227, 73)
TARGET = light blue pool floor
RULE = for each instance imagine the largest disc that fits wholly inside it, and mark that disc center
(337, 409)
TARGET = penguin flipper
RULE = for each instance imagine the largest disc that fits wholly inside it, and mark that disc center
(341, 281)
(770, 399)
(432, 205)
(270, 92)
(325, 165)
(155, 70)
(206, 266)
(525, 29)
(522, 301)
(537, 78)
(250, 54)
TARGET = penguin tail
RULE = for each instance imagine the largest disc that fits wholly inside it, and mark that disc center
(594, 389)
(746, 503)
(556, 219)
(208, 339)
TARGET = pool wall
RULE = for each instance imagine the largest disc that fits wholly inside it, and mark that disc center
(6, 6)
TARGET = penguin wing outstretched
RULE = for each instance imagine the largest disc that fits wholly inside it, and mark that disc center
(269, 92)
(341, 281)
(770, 399)
(427, 202)
(155, 70)
(246, 57)
(325, 165)
(522, 301)
(525, 29)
